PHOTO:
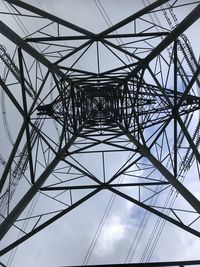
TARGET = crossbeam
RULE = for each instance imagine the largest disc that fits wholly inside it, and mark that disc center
(149, 264)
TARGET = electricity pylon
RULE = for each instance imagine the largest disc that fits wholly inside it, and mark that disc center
(136, 97)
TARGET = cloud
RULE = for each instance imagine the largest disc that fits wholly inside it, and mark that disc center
(113, 233)
(71, 237)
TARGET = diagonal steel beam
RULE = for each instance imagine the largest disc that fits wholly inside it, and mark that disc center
(16, 39)
(126, 167)
(188, 137)
(144, 151)
(132, 17)
(12, 156)
(22, 204)
(154, 211)
(11, 96)
(48, 222)
(51, 17)
(19, 137)
(26, 117)
(183, 26)
(177, 114)
(189, 86)
(87, 33)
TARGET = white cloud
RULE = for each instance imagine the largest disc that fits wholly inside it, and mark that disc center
(112, 233)
(120, 228)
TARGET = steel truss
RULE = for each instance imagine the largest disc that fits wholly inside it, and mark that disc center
(143, 108)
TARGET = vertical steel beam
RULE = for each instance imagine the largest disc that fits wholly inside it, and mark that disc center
(26, 117)
(175, 109)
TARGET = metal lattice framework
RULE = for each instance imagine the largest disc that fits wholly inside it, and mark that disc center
(74, 107)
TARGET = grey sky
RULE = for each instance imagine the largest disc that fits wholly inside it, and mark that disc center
(66, 241)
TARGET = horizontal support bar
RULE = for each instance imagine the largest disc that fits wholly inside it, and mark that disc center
(81, 37)
(103, 186)
(149, 264)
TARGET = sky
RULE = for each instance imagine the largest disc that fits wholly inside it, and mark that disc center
(66, 242)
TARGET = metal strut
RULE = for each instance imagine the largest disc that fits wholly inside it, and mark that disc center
(111, 108)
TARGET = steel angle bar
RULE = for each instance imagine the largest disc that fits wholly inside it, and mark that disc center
(12, 156)
(83, 171)
(37, 95)
(77, 49)
(104, 186)
(141, 34)
(156, 212)
(48, 222)
(175, 109)
(125, 168)
(84, 31)
(26, 117)
(189, 86)
(22, 204)
(58, 38)
(131, 18)
(16, 39)
(149, 264)
(78, 150)
(60, 21)
(189, 138)
(172, 36)
(51, 17)
(177, 114)
(11, 96)
(145, 151)
(81, 37)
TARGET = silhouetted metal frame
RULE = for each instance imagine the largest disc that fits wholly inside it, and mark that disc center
(171, 37)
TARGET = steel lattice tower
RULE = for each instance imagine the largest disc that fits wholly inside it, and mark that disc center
(86, 102)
